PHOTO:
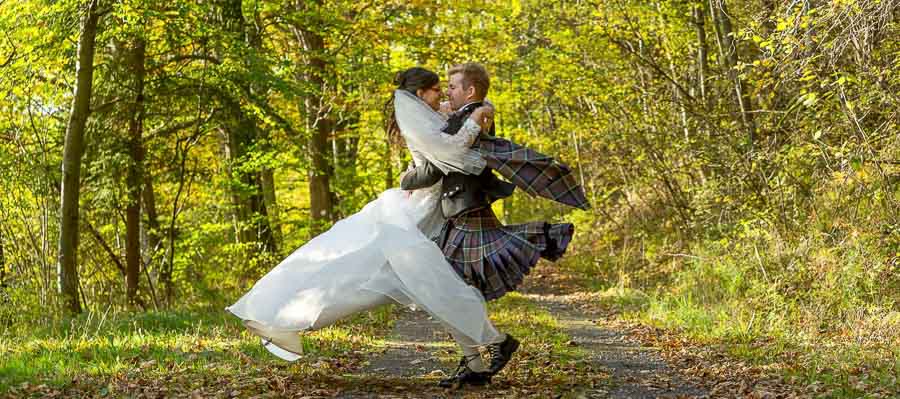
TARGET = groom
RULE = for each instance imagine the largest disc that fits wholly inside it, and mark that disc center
(467, 88)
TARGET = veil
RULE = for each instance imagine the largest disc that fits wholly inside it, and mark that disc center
(421, 127)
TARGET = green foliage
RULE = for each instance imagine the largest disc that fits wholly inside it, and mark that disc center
(769, 212)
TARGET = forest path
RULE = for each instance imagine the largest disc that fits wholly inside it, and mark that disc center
(604, 360)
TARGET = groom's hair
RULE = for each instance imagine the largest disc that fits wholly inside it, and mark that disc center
(473, 74)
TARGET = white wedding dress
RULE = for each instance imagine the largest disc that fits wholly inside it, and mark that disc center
(379, 255)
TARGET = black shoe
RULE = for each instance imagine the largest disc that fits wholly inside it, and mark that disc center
(501, 353)
(464, 375)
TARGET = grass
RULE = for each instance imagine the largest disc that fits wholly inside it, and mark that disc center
(825, 315)
(207, 352)
(829, 363)
(196, 347)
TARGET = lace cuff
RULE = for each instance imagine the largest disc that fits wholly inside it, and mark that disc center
(465, 136)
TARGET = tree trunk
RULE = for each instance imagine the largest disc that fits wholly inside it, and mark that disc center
(152, 232)
(2, 266)
(256, 188)
(71, 165)
(319, 124)
(729, 54)
(265, 205)
(699, 16)
(135, 177)
(151, 235)
(237, 138)
(321, 206)
(242, 183)
(270, 203)
(388, 165)
(345, 146)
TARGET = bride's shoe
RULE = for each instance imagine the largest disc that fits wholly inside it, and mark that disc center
(286, 345)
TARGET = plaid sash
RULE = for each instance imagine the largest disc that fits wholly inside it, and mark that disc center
(536, 173)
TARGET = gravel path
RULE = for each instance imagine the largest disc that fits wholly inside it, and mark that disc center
(637, 371)
(417, 343)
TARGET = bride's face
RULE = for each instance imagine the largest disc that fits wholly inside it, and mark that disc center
(431, 96)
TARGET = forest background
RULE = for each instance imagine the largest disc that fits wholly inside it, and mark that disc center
(741, 157)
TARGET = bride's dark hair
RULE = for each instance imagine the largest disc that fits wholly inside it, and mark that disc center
(410, 80)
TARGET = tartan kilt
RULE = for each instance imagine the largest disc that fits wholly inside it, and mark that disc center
(494, 258)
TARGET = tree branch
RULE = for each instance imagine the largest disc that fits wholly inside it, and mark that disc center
(653, 65)
(164, 131)
(105, 246)
(188, 57)
(106, 106)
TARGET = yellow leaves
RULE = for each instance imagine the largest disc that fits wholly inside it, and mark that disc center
(807, 77)
(516, 6)
(782, 25)
(809, 99)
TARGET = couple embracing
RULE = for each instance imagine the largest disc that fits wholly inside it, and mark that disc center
(434, 242)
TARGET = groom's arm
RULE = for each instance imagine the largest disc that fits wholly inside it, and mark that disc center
(420, 177)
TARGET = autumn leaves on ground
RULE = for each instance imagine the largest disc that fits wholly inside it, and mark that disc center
(741, 157)
(577, 343)
(205, 352)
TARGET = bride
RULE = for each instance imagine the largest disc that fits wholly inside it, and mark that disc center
(383, 253)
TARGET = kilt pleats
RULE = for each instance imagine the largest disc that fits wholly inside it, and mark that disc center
(495, 258)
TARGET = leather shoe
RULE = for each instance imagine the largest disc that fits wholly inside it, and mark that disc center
(465, 376)
(501, 353)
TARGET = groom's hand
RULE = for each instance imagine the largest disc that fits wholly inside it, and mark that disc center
(484, 117)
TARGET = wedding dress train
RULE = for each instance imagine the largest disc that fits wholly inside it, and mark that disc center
(379, 255)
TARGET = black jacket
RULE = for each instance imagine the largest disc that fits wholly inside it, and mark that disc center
(459, 192)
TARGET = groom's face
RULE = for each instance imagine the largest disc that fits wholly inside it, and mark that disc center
(457, 93)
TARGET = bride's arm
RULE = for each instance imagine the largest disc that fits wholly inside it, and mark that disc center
(478, 121)
(422, 128)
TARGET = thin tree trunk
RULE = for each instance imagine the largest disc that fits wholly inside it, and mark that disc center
(267, 182)
(699, 16)
(677, 95)
(388, 166)
(346, 151)
(730, 59)
(135, 177)
(238, 135)
(239, 139)
(265, 204)
(152, 232)
(252, 219)
(71, 166)
(2, 266)
(165, 276)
